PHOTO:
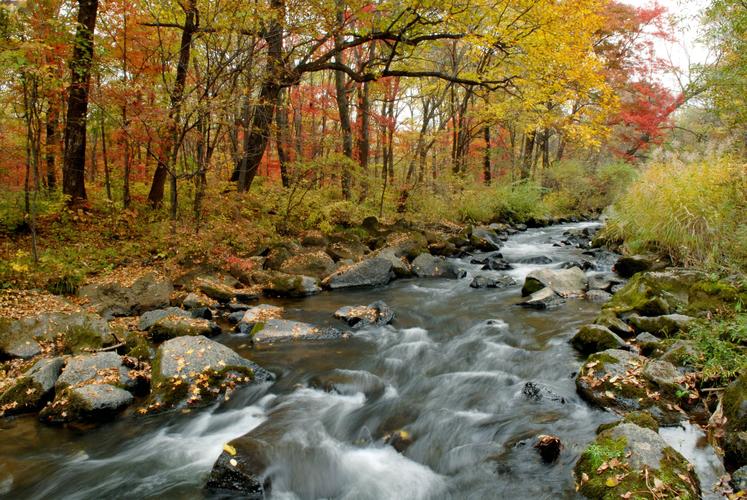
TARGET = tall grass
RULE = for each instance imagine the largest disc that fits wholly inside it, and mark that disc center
(694, 212)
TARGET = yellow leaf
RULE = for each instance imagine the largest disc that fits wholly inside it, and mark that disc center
(612, 482)
(229, 449)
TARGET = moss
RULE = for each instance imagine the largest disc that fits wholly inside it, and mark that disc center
(608, 485)
(602, 358)
(642, 419)
(81, 338)
(137, 346)
(24, 396)
(733, 402)
(258, 327)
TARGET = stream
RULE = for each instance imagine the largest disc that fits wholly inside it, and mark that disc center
(451, 370)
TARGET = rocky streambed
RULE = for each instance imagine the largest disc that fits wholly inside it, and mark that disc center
(429, 368)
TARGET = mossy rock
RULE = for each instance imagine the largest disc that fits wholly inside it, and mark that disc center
(735, 404)
(594, 338)
(88, 403)
(609, 320)
(137, 346)
(33, 389)
(628, 459)
(179, 326)
(289, 285)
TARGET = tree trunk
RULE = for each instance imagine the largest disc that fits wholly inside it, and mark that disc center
(526, 160)
(168, 166)
(74, 164)
(52, 145)
(283, 138)
(343, 106)
(486, 172)
(107, 180)
(255, 142)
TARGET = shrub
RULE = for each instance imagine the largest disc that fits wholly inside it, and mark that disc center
(694, 212)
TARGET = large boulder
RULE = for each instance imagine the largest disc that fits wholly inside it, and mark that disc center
(629, 265)
(87, 403)
(346, 250)
(400, 265)
(428, 266)
(282, 330)
(545, 298)
(407, 244)
(33, 389)
(665, 325)
(194, 371)
(735, 411)
(627, 459)
(594, 338)
(565, 282)
(315, 264)
(609, 320)
(369, 272)
(222, 292)
(71, 332)
(110, 299)
(376, 313)
(625, 382)
(288, 285)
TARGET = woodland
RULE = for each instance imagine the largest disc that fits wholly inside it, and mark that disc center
(190, 158)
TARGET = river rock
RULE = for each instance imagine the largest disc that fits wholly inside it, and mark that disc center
(258, 314)
(194, 371)
(598, 296)
(603, 281)
(88, 403)
(346, 250)
(682, 353)
(629, 458)
(240, 469)
(282, 330)
(647, 343)
(178, 326)
(99, 368)
(315, 264)
(615, 379)
(543, 299)
(627, 266)
(664, 326)
(735, 410)
(369, 272)
(739, 480)
(222, 292)
(485, 239)
(287, 285)
(429, 266)
(565, 282)
(313, 239)
(409, 244)
(150, 318)
(400, 264)
(594, 338)
(481, 281)
(538, 392)
(376, 313)
(73, 332)
(149, 291)
(610, 320)
(349, 383)
(198, 301)
(496, 263)
(33, 389)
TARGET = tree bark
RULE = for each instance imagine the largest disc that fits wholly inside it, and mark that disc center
(526, 161)
(74, 164)
(52, 144)
(486, 172)
(343, 105)
(282, 138)
(167, 163)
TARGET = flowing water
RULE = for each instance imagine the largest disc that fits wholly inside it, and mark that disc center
(450, 370)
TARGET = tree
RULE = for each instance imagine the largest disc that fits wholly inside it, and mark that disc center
(73, 168)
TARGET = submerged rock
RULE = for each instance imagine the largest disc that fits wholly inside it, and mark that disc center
(628, 458)
(349, 382)
(194, 371)
(564, 282)
(594, 338)
(370, 272)
(376, 313)
(33, 389)
(283, 330)
(149, 291)
(539, 259)
(240, 469)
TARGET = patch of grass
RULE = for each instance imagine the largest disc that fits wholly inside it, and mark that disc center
(722, 347)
